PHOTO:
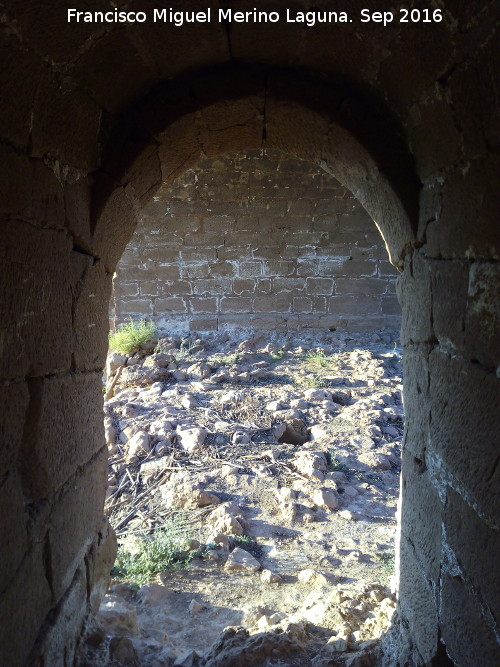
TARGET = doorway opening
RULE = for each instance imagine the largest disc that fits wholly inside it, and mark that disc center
(255, 437)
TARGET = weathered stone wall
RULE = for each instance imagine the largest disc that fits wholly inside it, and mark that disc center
(83, 149)
(258, 240)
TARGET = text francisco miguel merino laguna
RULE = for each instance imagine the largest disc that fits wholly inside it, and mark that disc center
(179, 18)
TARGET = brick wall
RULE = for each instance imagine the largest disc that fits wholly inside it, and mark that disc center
(256, 240)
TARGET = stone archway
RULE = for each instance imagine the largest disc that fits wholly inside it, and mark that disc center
(57, 255)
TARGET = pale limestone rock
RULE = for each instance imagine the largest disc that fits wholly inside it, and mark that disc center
(117, 616)
(326, 498)
(269, 577)
(195, 607)
(191, 439)
(153, 593)
(241, 560)
(138, 445)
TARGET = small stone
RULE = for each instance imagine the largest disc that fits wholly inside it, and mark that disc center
(122, 652)
(191, 439)
(269, 577)
(239, 559)
(326, 498)
(317, 395)
(313, 576)
(195, 607)
(188, 401)
(153, 593)
(138, 445)
(117, 616)
(336, 644)
(186, 659)
(240, 438)
(113, 362)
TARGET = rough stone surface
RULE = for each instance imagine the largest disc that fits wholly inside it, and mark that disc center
(319, 242)
(404, 116)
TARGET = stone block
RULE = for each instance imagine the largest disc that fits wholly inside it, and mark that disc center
(465, 405)
(322, 286)
(125, 289)
(113, 222)
(482, 318)
(203, 305)
(273, 303)
(219, 223)
(199, 255)
(139, 306)
(181, 287)
(29, 190)
(223, 269)
(73, 143)
(390, 305)
(126, 274)
(166, 272)
(243, 286)
(449, 298)
(263, 286)
(60, 636)
(356, 304)
(171, 304)
(14, 399)
(467, 634)
(360, 268)
(76, 515)
(211, 286)
(90, 317)
(149, 288)
(471, 198)
(301, 207)
(296, 285)
(302, 304)
(320, 304)
(414, 286)
(19, 64)
(421, 514)
(417, 603)
(203, 324)
(278, 268)
(62, 430)
(307, 267)
(35, 282)
(467, 535)
(194, 271)
(357, 285)
(416, 400)
(250, 269)
(24, 604)
(14, 521)
(236, 304)
(100, 560)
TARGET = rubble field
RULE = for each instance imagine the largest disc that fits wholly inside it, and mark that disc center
(252, 486)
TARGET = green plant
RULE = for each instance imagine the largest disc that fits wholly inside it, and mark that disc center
(336, 465)
(243, 541)
(276, 356)
(184, 350)
(156, 553)
(227, 359)
(312, 381)
(317, 358)
(387, 561)
(131, 336)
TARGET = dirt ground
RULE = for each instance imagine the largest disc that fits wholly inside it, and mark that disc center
(284, 447)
